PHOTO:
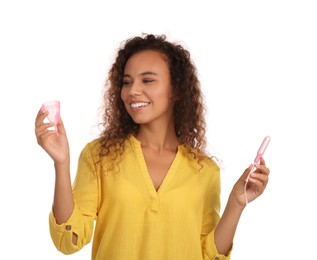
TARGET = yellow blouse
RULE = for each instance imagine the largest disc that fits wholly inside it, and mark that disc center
(131, 220)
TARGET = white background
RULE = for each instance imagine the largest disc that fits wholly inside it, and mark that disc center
(257, 62)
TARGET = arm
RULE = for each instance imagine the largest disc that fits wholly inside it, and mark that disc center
(227, 225)
(56, 145)
(63, 203)
(71, 222)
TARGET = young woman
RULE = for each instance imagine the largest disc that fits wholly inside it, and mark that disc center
(146, 190)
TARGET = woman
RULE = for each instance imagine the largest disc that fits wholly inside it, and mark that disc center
(146, 188)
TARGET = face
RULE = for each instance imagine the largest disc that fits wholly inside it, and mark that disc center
(146, 90)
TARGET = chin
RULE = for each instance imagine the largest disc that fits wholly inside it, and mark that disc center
(139, 121)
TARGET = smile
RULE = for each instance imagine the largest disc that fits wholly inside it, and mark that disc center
(139, 104)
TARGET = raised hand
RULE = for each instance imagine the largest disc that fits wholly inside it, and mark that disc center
(254, 187)
(54, 142)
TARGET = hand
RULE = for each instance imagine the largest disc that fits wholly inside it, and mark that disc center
(255, 185)
(55, 143)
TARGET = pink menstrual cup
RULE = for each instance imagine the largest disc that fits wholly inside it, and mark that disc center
(53, 108)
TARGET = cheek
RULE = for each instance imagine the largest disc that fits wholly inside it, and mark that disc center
(167, 95)
(123, 94)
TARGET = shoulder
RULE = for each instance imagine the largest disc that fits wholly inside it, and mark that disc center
(209, 166)
(96, 144)
(93, 146)
(92, 149)
(211, 163)
(201, 162)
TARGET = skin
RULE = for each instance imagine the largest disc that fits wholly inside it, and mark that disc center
(147, 82)
(56, 145)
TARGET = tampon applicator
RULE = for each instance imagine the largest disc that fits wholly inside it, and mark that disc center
(257, 159)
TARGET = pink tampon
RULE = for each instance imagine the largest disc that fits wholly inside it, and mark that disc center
(257, 159)
(262, 149)
(259, 154)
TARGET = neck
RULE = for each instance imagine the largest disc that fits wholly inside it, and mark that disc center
(158, 138)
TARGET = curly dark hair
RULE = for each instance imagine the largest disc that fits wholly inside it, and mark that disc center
(188, 107)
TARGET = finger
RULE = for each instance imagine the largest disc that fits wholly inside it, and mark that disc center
(42, 134)
(60, 127)
(262, 161)
(42, 127)
(41, 139)
(246, 172)
(40, 112)
(40, 116)
(262, 169)
(260, 177)
(259, 185)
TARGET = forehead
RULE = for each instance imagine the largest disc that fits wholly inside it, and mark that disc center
(147, 60)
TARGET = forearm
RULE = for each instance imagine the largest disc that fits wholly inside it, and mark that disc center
(226, 228)
(63, 204)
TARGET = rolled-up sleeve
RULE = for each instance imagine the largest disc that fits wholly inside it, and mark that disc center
(210, 251)
(211, 219)
(81, 221)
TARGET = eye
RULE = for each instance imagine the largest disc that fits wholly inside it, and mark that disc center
(126, 82)
(147, 81)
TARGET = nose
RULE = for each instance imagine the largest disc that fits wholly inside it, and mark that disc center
(136, 89)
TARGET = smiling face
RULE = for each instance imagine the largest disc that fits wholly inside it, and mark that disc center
(146, 90)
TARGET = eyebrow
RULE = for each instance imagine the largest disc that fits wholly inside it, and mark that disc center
(146, 73)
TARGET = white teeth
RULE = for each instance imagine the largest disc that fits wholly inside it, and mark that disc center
(139, 104)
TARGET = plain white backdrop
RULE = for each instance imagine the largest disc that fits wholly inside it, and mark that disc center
(257, 62)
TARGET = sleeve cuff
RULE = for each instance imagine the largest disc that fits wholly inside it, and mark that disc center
(210, 250)
(62, 234)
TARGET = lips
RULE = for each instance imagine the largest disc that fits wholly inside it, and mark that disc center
(139, 104)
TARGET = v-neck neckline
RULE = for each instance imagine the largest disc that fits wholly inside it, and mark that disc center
(146, 174)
